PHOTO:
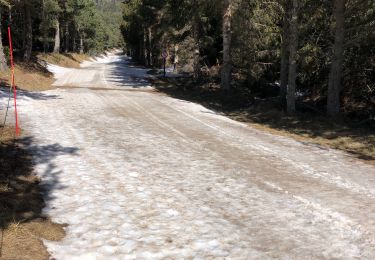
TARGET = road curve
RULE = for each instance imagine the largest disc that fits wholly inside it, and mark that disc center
(139, 175)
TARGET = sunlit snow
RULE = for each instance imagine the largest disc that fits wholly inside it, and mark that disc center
(139, 175)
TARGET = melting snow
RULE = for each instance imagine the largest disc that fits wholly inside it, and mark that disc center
(137, 175)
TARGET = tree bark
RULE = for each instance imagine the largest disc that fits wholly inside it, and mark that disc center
(3, 62)
(145, 47)
(67, 37)
(285, 55)
(81, 46)
(226, 71)
(74, 43)
(140, 51)
(28, 32)
(150, 61)
(334, 83)
(176, 59)
(196, 61)
(293, 48)
(45, 32)
(56, 48)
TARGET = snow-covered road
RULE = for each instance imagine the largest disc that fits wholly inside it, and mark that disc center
(138, 175)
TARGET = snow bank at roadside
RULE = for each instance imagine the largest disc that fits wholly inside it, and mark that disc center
(57, 70)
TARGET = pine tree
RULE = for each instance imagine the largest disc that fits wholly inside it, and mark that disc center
(28, 35)
(293, 49)
(334, 85)
(227, 40)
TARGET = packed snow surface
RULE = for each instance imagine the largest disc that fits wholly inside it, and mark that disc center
(139, 175)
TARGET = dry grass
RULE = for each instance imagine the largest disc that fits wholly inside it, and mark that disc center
(22, 224)
(28, 76)
(68, 60)
(342, 133)
(33, 76)
(24, 240)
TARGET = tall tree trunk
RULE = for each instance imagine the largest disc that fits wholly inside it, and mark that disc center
(196, 23)
(140, 51)
(74, 43)
(67, 38)
(293, 48)
(334, 83)
(81, 46)
(145, 48)
(44, 32)
(3, 62)
(285, 55)
(227, 41)
(150, 62)
(176, 59)
(56, 47)
(28, 33)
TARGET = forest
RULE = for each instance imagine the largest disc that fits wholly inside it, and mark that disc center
(187, 129)
(84, 26)
(315, 53)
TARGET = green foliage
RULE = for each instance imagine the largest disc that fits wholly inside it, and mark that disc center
(97, 22)
(146, 27)
(50, 15)
(257, 42)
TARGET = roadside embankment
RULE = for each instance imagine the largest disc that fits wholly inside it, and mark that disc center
(23, 226)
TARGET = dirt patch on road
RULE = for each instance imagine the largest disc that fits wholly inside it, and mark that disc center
(22, 224)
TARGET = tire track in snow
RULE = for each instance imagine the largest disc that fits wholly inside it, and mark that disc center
(187, 191)
(306, 169)
(333, 217)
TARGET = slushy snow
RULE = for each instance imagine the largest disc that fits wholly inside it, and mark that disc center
(139, 175)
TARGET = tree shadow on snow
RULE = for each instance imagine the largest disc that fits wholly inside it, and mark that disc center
(127, 75)
(22, 94)
(22, 194)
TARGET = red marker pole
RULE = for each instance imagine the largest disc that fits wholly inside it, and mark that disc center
(13, 80)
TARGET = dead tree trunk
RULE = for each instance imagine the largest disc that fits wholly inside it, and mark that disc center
(227, 41)
(334, 83)
(293, 56)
